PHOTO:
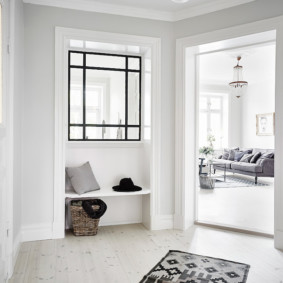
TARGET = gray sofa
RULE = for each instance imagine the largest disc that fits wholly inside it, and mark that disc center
(263, 167)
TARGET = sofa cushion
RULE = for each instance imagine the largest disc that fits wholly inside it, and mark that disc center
(268, 154)
(262, 150)
(232, 153)
(225, 155)
(255, 157)
(223, 163)
(247, 158)
(248, 167)
(239, 154)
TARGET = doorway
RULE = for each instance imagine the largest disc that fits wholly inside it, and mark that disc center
(186, 131)
(228, 134)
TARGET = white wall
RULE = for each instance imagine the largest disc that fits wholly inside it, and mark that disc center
(38, 107)
(38, 103)
(111, 164)
(260, 96)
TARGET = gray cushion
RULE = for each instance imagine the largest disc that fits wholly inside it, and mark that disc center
(225, 155)
(82, 179)
(240, 154)
(248, 167)
(255, 157)
(262, 150)
(222, 163)
(248, 150)
(267, 155)
(68, 185)
(247, 158)
(232, 154)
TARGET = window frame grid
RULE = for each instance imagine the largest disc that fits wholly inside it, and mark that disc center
(127, 71)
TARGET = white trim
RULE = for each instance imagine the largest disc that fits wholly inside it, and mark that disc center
(61, 36)
(130, 11)
(112, 223)
(6, 136)
(108, 192)
(36, 232)
(161, 222)
(181, 185)
(205, 8)
(106, 144)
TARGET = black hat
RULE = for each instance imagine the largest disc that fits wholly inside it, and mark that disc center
(126, 185)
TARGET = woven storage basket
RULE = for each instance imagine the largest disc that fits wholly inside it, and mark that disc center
(83, 225)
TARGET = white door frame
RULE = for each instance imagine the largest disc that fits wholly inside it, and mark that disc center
(62, 35)
(185, 148)
(6, 140)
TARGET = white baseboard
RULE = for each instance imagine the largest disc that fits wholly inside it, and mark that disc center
(278, 239)
(112, 223)
(161, 222)
(37, 232)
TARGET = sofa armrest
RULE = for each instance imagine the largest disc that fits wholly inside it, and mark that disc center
(267, 165)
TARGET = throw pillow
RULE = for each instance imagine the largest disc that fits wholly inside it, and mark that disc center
(240, 154)
(255, 157)
(268, 155)
(82, 179)
(219, 157)
(232, 155)
(246, 158)
(225, 155)
(68, 185)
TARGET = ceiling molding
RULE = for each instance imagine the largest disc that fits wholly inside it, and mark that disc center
(212, 6)
(130, 11)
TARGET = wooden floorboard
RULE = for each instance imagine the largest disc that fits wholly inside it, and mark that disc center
(123, 254)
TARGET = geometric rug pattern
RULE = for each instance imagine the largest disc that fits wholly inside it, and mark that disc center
(233, 181)
(181, 267)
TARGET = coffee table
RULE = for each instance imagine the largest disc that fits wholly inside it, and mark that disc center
(219, 164)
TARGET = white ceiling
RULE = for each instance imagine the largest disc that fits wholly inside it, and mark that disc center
(165, 10)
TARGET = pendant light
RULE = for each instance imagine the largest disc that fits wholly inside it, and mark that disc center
(238, 84)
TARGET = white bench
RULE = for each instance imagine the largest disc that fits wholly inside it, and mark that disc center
(106, 192)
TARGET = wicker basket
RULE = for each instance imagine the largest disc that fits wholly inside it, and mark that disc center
(83, 225)
(206, 182)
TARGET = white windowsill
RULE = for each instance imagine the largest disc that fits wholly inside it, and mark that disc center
(104, 144)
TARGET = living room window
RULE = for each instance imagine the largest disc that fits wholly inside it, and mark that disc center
(104, 97)
(212, 113)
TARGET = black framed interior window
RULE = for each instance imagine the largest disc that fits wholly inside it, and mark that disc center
(104, 101)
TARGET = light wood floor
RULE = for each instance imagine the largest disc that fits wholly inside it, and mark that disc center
(125, 253)
(250, 208)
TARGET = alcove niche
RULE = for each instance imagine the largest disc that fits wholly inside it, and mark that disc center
(111, 160)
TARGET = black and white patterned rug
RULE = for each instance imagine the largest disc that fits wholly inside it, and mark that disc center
(234, 182)
(181, 267)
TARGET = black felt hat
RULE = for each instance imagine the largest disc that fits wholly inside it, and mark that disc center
(126, 185)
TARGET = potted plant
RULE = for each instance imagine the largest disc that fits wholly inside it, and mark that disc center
(208, 151)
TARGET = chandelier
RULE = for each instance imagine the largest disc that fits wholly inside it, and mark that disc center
(238, 84)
